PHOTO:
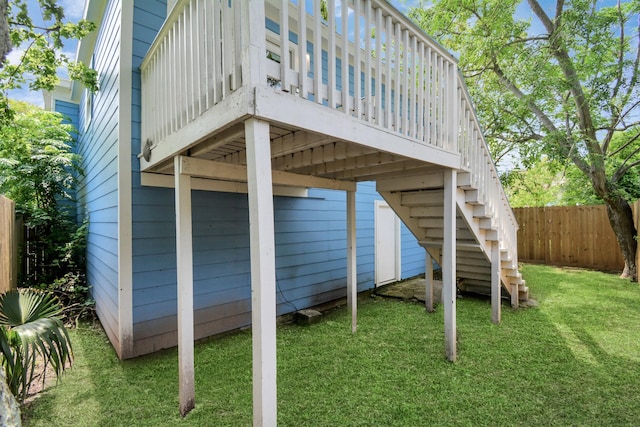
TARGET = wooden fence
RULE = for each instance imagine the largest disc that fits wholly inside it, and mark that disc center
(576, 236)
(8, 245)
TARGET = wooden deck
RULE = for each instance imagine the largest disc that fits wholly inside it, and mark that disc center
(282, 93)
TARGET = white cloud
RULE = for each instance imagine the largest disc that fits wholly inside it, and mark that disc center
(73, 9)
(26, 95)
(15, 55)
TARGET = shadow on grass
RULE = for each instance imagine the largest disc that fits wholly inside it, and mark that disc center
(571, 361)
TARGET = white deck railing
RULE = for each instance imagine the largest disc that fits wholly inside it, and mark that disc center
(193, 64)
(407, 83)
(475, 158)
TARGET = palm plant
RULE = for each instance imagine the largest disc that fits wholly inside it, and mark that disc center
(30, 331)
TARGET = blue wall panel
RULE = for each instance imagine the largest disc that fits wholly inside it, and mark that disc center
(310, 237)
(98, 191)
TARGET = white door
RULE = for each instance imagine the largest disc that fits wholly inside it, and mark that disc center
(387, 249)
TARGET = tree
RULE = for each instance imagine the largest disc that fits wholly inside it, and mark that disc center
(565, 85)
(42, 56)
(39, 171)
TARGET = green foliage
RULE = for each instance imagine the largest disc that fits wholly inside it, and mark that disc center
(31, 334)
(39, 171)
(37, 163)
(42, 55)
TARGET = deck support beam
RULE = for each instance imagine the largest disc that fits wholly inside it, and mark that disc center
(428, 278)
(184, 265)
(263, 272)
(352, 273)
(496, 297)
(449, 264)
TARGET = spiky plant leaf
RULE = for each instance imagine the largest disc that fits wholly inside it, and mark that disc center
(31, 330)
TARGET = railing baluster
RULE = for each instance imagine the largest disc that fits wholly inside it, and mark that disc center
(237, 52)
(331, 51)
(284, 45)
(413, 87)
(344, 16)
(317, 50)
(367, 60)
(396, 75)
(405, 82)
(388, 82)
(302, 49)
(357, 88)
(378, 51)
(420, 76)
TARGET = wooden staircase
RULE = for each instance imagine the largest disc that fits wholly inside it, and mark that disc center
(419, 202)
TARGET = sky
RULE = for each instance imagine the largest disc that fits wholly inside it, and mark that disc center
(73, 10)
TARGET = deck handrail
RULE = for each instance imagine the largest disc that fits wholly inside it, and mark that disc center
(473, 146)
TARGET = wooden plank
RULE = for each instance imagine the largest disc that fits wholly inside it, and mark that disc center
(428, 277)
(231, 172)
(263, 273)
(496, 287)
(449, 264)
(284, 45)
(331, 53)
(317, 51)
(352, 262)
(184, 265)
(8, 246)
(344, 51)
(302, 50)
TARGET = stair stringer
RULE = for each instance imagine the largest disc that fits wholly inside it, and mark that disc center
(466, 211)
(394, 200)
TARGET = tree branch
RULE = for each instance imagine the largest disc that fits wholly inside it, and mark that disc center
(624, 169)
(625, 145)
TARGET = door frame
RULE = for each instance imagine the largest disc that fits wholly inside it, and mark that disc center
(381, 204)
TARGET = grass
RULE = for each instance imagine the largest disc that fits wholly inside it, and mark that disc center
(573, 360)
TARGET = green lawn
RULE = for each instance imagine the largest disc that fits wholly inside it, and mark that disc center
(574, 360)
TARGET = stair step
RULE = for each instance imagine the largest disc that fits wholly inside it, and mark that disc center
(466, 268)
(487, 224)
(427, 212)
(464, 180)
(472, 261)
(423, 198)
(433, 222)
(476, 254)
(481, 211)
(438, 233)
(472, 197)
(460, 244)
(416, 182)
(472, 275)
(491, 235)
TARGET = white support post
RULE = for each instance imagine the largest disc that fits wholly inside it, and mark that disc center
(184, 265)
(263, 272)
(515, 300)
(352, 274)
(449, 263)
(496, 296)
(428, 278)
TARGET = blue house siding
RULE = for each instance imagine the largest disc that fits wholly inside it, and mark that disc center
(69, 110)
(97, 193)
(310, 241)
